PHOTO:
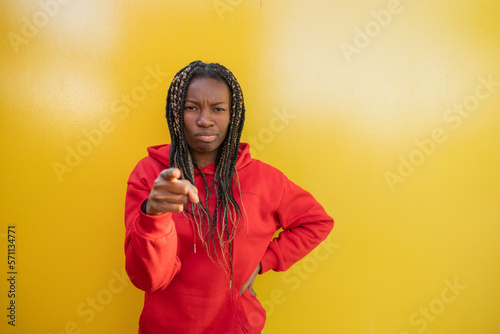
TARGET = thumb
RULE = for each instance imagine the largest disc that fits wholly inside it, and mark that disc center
(244, 287)
(193, 194)
(251, 290)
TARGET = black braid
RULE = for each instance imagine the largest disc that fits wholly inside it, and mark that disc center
(222, 224)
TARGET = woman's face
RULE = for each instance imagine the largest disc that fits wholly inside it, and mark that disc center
(206, 118)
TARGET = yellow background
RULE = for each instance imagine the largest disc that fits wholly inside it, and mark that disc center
(336, 99)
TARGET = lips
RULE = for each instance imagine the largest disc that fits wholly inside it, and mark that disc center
(206, 136)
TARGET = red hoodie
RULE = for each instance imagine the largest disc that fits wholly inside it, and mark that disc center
(186, 291)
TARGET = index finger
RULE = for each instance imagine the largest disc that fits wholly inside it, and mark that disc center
(171, 174)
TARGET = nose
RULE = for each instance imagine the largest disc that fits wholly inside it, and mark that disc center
(205, 119)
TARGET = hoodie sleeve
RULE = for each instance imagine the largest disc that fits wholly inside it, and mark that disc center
(305, 225)
(151, 241)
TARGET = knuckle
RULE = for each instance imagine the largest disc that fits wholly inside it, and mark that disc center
(184, 199)
(179, 208)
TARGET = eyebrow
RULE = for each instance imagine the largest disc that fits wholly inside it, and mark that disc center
(213, 104)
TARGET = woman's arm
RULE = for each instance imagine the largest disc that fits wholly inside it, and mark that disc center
(305, 225)
(151, 240)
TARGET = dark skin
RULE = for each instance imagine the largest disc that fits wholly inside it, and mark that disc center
(206, 120)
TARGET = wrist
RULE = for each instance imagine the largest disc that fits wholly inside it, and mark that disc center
(144, 206)
(148, 209)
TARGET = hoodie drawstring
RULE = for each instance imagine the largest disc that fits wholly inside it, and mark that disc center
(194, 235)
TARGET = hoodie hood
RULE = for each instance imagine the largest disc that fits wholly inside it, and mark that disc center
(162, 154)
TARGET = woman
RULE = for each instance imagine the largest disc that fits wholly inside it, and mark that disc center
(201, 214)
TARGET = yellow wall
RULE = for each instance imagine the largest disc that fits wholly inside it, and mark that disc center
(382, 109)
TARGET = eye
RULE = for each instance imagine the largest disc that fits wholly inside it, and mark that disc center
(220, 109)
(189, 108)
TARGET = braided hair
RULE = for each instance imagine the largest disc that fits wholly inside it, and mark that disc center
(220, 227)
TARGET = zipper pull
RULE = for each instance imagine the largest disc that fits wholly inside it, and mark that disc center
(230, 284)
(194, 248)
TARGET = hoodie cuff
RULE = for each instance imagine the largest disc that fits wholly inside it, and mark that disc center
(269, 261)
(154, 227)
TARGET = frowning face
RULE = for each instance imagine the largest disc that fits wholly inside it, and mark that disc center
(206, 118)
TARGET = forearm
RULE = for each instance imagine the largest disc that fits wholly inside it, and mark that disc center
(293, 244)
(151, 241)
(150, 252)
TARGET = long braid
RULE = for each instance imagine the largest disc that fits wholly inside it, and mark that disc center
(222, 226)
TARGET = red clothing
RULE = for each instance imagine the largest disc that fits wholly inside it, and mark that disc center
(187, 292)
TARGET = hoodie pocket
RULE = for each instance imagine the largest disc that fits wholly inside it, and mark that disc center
(174, 312)
(249, 311)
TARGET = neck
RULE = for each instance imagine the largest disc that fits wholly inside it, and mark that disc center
(204, 159)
